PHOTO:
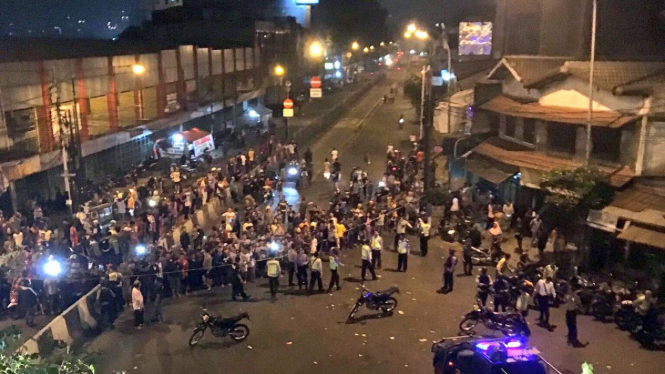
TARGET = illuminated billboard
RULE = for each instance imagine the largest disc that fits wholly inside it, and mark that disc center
(475, 38)
(307, 2)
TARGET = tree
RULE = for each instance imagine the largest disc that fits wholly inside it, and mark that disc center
(13, 362)
(413, 91)
(571, 193)
(348, 21)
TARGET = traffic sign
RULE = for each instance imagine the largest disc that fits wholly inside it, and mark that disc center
(315, 82)
(287, 113)
(288, 104)
(315, 93)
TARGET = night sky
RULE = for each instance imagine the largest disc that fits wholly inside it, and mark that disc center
(107, 18)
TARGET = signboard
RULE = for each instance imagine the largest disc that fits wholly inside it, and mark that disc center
(315, 82)
(475, 38)
(172, 104)
(307, 2)
(200, 145)
(315, 93)
(288, 104)
(287, 113)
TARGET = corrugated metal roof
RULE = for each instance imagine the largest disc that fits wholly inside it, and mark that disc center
(492, 148)
(638, 198)
(508, 106)
(609, 75)
(643, 235)
(529, 68)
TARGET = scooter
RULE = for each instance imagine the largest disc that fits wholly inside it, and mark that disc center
(510, 324)
(220, 327)
(374, 301)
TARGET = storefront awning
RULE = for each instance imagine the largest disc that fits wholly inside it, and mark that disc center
(487, 171)
(644, 236)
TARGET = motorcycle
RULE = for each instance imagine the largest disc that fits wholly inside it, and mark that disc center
(374, 301)
(510, 324)
(626, 317)
(481, 256)
(220, 327)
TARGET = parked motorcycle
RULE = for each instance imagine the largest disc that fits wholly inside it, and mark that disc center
(481, 256)
(510, 324)
(220, 327)
(375, 301)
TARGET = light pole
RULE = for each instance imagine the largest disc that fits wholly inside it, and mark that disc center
(592, 62)
(279, 72)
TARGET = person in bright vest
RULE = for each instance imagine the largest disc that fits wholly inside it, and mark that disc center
(334, 265)
(273, 270)
(376, 245)
(366, 256)
(425, 228)
(402, 254)
(315, 275)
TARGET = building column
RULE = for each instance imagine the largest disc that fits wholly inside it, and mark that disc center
(138, 99)
(211, 77)
(161, 87)
(580, 143)
(181, 89)
(112, 97)
(196, 75)
(82, 102)
(44, 120)
(541, 136)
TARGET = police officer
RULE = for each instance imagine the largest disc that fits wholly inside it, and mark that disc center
(366, 256)
(425, 228)
(402, 254)
(273, 270)
(484, 282)
(377, 246)
(315, 275)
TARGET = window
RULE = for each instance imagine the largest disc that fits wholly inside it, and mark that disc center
(510, 127)
(20, 121)
(529, 131)
(606, 144)
(561, 138)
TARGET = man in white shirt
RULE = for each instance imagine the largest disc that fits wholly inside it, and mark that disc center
(544, 292)
(366, 256)
(137, 304)
(315, 274)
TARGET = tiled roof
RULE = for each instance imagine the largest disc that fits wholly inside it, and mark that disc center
(529, 68)
(508, 106)
(609, 75)
(638, 198)
(493, 148)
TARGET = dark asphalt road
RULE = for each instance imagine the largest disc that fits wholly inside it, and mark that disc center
(307, 334)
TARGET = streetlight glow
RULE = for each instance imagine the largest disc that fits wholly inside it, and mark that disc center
(316, 49)
(383, 44)
(412, 28)
(138, 69)
(279, 70)
(371, 47)
(420, 34)
(366, 50)
(407, 35)
(355, 46)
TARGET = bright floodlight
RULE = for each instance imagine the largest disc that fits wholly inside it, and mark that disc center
(178, 138)
(293, 171)
(152, 203)
(140, 250)
(355, 46)
(253, 113)
(407, 35)
(52, 268)
(138, 69)
(274, 246)
(411, 28)
(338, 74)
(316, 49)
(279, 70)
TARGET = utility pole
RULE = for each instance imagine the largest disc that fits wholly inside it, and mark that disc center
(63, 146)
(592, 62)
(427, 131)
(423, 74)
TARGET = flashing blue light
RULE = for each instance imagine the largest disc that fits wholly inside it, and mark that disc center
(140, 250)
(52, 268)
(338, 74)
(447, 76)
(252, 113)
(293, 171)
(337, 65)
(483, 346)
(514, 344)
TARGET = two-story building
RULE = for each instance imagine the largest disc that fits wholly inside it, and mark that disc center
(119, 97)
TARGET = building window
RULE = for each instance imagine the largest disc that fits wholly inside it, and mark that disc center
(606, 144)
(529, 130)
(561, 138)
(510, 127)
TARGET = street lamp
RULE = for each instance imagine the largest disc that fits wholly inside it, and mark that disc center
(407, 35)
(383, 44)
(316, 50)
(366, 50)
(422, 35)
(279, 71)
(138, 69)
(371, 48)
(412, 28)
(355, 46)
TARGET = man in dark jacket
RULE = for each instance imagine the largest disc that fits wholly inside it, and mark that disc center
(27, 302)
